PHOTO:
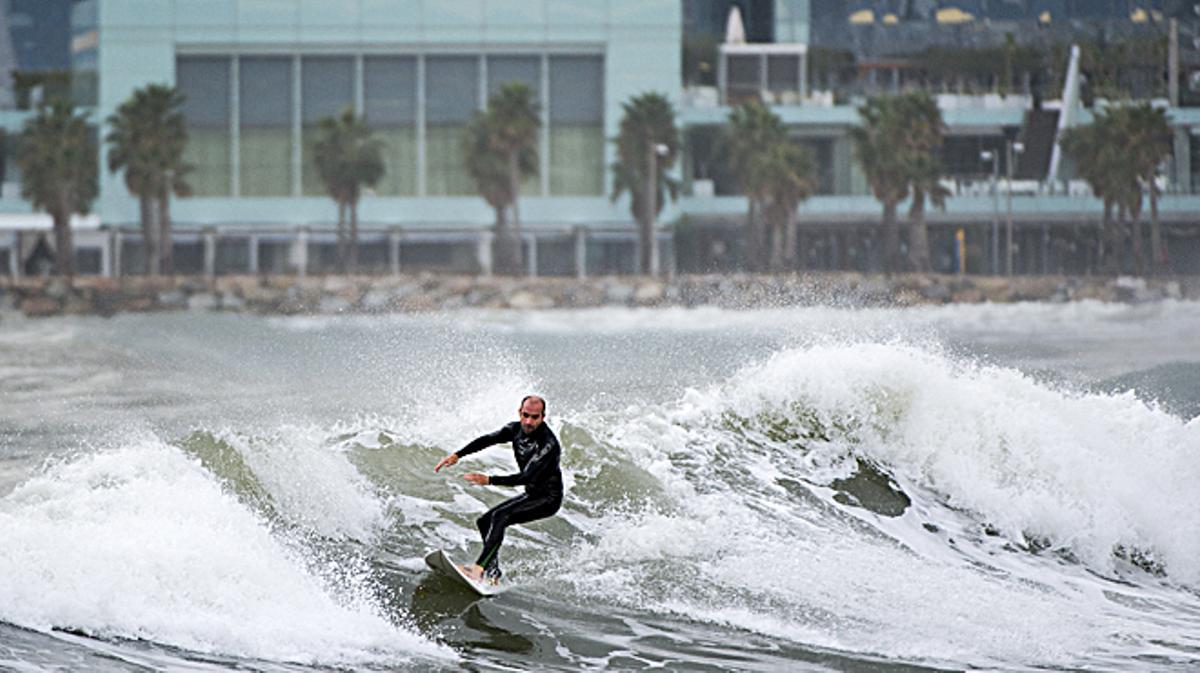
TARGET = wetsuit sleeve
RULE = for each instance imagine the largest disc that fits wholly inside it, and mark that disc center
(542, 462)
(504, 434)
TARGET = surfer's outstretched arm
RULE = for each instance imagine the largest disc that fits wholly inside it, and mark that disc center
(504, 434)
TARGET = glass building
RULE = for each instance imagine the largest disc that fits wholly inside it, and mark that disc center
(259, 74)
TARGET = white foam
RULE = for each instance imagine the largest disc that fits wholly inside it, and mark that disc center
(1087, 471)
(312, 485)
(141, 542)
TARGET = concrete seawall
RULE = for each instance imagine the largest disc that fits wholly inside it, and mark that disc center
(286, 295)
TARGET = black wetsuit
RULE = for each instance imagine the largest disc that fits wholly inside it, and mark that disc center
(537, 455)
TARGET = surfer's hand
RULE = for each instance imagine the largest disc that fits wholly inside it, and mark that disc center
(446, 462)
(477, 478)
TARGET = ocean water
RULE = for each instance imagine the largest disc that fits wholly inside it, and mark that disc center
(964, 487)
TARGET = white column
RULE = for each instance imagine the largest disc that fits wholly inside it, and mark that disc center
(14, 256)
(394, 251)
(253, 262)
(118, 253)
(483, 252)
(531, 258)
(580, 235)
(210, 253)
(106, 256)
(300, 252)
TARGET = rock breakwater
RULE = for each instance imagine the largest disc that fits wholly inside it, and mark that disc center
(289, 295)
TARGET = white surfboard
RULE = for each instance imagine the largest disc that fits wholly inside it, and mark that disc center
(439, 561)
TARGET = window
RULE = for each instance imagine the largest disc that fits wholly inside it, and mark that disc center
(204, 84)
(576, 125)
(265, 95)
(527, 70)
(451, 98)
(390, 100)
(327, 89)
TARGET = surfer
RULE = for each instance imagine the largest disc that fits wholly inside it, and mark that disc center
(537, 452)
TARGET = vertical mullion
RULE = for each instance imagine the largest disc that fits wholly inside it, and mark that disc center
(421, 178)
(359, 87)
(544, 136)
(482, 89)
(235, 126)
(297, 133)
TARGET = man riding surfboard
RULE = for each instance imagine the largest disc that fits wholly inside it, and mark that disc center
(538, 453)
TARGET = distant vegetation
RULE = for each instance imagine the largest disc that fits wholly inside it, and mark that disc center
(898, 144)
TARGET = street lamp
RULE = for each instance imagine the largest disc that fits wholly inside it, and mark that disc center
(1014, 147)
(656, 150)
(994, 157)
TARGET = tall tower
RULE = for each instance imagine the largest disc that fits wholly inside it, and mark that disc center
(8, 62)
(792, 20)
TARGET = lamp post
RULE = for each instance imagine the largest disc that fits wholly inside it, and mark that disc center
(994, 157)
(1013, 148)
(656, 150)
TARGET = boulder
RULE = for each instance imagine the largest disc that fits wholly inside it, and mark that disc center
(526, 300)
(173, 299)
(334, 304)
(618, 293)
(648, 293)
(203, 301)
(231, 302)
(40, 306)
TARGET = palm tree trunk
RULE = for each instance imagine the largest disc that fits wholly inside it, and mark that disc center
(514, 187)
(352, 206)
(650, 189)
(341, 236)
(165, 242)
(507, 261)
(1116, 242)
(64, 248)
(762, 240)
(789, 239)
(1105, 252)
(1139, 255)
(149, 235)
(775, 239)
(1158, 250)
(891, 238)
(918, 235)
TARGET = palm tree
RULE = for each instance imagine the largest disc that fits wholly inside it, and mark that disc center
(878, 147)
(1103, 157)
(57, 160)
(647, 145)
(489, 168)
(923, 147)
(515, 125)
(147, 137)
(789, 172)
(898, 146)
(499, 152)
(752, 134)
(1148, 143)
(348, 157)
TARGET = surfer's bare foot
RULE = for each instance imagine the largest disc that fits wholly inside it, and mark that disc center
(473, 571)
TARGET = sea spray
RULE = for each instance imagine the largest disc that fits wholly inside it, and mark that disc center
(141, 542)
